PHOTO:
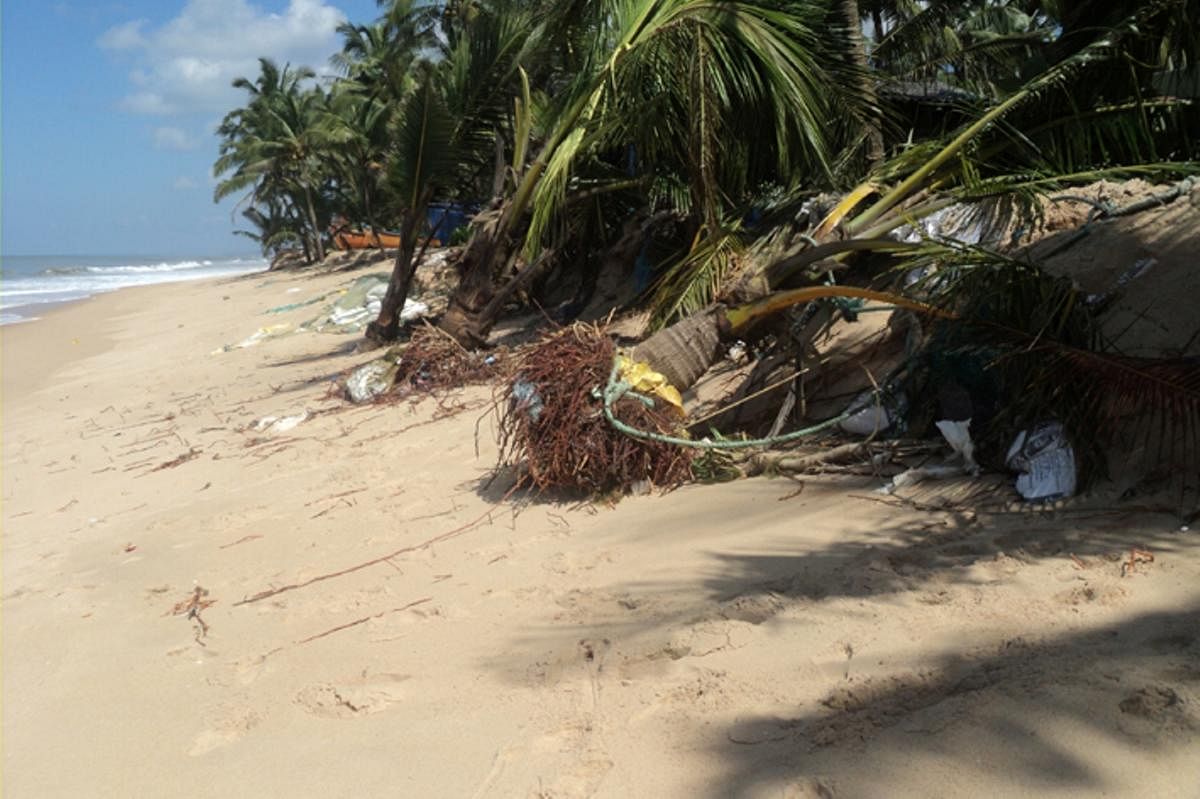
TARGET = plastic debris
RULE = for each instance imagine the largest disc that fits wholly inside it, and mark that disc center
(644, 380)
(920, 474)
(373, 378)
(270, 331)
(958, 436)
(526, 398)
(291, 306)
(869, 416)
(962, 222)
(359, 304)
(277, 424)
(1045, 460)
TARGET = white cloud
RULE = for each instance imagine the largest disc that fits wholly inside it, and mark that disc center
(126, 36)
(187, 64)
(169, 138)
(183, 183)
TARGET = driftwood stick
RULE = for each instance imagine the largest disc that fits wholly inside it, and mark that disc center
(437, 539)
(780, 462)
(364, 620)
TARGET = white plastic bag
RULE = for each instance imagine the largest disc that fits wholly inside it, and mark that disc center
(869, 416)
(1045, 460)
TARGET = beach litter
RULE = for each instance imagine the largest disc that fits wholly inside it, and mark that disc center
(191, 609)
(291, 306)
(553, 429)
(360, 303)
(962, 462)
(428, 362)
(1045, 461)
(255, 338)
(277, 424)
(871, 414)
(374, 377)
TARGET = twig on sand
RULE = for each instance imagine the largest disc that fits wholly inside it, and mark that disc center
(363, 620)
(1136, 555)
(338, 495)
(349, 503)
(192, 607)
(241, 540)
(437, 539)
(176, 461)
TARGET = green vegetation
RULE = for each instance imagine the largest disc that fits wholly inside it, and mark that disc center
(578, 124)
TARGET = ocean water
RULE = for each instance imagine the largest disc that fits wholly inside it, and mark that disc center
(30, 281)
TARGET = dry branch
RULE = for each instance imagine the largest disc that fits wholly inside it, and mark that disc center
(364, 620)
(437, 539)
(177, 461)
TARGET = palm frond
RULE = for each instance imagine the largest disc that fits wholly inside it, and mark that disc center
(1036, 340)
(424, 156)
(695, 280)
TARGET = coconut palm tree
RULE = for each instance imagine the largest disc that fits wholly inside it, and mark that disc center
(451, 120)
(720, 90)
(275, 147)
(1030, 140)
(274, 226)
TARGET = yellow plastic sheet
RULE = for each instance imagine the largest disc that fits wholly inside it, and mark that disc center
(644, 380)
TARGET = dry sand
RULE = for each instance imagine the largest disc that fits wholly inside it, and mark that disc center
(733, 640)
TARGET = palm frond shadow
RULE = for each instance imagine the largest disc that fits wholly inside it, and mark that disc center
(928, 557)
(1132, 683)
(924, 557)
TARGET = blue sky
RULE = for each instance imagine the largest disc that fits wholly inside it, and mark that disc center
(106, 138)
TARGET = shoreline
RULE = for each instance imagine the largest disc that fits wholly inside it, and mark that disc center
(740, 639)
(82, 324)
(139, 275)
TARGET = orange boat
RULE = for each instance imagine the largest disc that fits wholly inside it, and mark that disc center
(347, 239)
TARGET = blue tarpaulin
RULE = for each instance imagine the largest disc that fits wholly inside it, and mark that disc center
(442, 219)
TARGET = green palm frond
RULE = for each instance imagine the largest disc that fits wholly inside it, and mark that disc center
(695, 280)
(675, 77)
(424, 157)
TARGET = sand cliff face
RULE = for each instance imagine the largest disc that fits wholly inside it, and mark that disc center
(193, 606)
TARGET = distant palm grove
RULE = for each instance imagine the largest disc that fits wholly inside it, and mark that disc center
(579, 131)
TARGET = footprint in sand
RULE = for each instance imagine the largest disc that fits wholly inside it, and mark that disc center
(1091, 593)
(352, 698)
(227, 730)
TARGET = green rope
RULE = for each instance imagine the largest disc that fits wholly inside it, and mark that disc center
(616, 389)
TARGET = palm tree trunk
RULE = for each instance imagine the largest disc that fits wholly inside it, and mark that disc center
(386, 326)
(858, 56)
(471, 314)
(312, 219)
(369, 212)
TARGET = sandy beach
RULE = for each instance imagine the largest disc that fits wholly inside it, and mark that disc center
(196, 607)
